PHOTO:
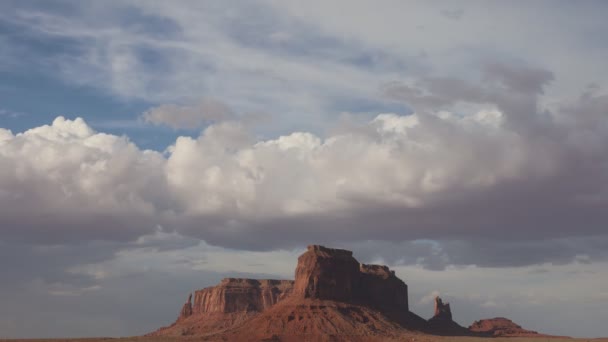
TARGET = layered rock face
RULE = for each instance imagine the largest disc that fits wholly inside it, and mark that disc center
(501, 327)
(334, 274)
(228, 304)
(238, 295)
(326, 273)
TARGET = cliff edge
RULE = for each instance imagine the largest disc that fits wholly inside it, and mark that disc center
(333, 297)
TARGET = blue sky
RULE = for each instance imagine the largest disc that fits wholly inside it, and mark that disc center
(40, 54)
(64, 50)
(462, 143)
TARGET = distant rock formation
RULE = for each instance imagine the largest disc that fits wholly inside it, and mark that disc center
(502, 327)
(333, 297)
(334, 274)
(442, 323)
(442, 310)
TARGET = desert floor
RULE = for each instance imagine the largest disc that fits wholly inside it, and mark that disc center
(418, 338)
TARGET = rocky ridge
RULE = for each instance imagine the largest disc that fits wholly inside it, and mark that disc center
(333, 297)
(226, 304)
(501, 327)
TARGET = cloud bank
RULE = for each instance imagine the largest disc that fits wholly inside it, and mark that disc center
(506, 171)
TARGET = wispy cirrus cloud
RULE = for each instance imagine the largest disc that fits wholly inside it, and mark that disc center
(189, 117)
(10, 114)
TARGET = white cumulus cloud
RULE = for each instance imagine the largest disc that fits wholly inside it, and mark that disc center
(433, 174)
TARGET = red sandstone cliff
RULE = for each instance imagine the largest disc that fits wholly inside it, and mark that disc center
(326, 273)
(230, 303)
(333, 297)
(236, 295)
(334, 274)
(186, 309)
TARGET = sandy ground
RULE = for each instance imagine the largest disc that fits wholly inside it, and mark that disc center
(423, 338)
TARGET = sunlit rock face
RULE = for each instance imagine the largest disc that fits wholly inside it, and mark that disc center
(334, 274)
(326, 273)
(234, 295)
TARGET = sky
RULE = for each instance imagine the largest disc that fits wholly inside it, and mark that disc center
(151, 148)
